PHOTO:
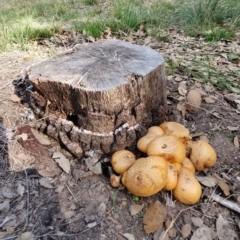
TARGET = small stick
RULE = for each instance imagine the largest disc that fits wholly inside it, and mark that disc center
(231, 205)
(173, 221)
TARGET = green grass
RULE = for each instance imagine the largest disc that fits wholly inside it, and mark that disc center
(27, 20)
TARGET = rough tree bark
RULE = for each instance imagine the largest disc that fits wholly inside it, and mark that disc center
(99, 96)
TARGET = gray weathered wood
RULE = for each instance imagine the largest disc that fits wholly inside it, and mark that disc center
(102, 95)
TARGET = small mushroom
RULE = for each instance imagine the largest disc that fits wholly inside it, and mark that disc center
(153, 132)
(169, 147)
(202, 155)
(188, 189)
(177, 130)
(122, 160)
(115, 180)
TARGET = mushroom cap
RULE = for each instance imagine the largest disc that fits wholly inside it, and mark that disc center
(172, 177)
(188, 165)
(122, 160)
(169, 147)
(202, 154)
(146, 176)
(153, 132)
(188, 189)
(115, 181)
(177, 130)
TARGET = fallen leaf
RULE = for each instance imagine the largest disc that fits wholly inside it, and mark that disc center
(224, 230)
(215, 114)
(59, 189)
(236, 141)
(45, 183)
(136, 208)
(210, 99)
(6, 233)
(20, 206)
(222, 185)
(5, 205)
(171, 230)
(106, 34)
(46, 173)
(69, 214)
(182, 88)
(197, 222)
(26, 236)
(14, 98)
(203, 233)
(101, 209)
(186, 230)
(207, 181)
(91, 225)
(178, 79)
(7, 192)
(128, 236)
(233, 128)
(20, 189)
(154, 217)
(62, 161)
(93, 163)
(43, 139)
(201, 91)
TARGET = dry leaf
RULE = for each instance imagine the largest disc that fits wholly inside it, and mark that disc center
(7, 192)
(224, 231)
(210, 99)
(26, 236)
(62, 161)
(20, 189)
(201, 91)
(6, 233)
(186, 230)
(43, 139)
(5, 205)
(182, 88)
(215, 114)
(236, 141)
(203, 233)
(233, 128)
(69, 214)
(46, 173)
(93, 164)
(178, 79)
(154, 217)
(14, 98)
(136, 208)
(128, 236)
(45, 183)
(106, 34)
(197, 222)
(207, 181)
(222, 185)
(193, 100)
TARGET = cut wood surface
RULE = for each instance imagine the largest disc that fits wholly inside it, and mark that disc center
(100, 96)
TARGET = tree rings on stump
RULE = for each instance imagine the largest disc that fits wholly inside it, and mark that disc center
(99, 96)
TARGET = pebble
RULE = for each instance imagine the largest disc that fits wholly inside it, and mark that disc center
(124, 203)
(118, 227)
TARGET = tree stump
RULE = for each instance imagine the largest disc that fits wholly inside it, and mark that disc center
(99, 96)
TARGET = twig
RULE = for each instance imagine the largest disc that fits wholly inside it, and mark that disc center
(6, 219)
(173, 221)
(27, 195)
(231, 205)
(71, 193)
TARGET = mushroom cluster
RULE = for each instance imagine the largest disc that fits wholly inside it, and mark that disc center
(171, 162)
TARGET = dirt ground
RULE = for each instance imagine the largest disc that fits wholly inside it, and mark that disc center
(82, 205)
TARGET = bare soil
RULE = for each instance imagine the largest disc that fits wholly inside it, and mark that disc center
(82, 205)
